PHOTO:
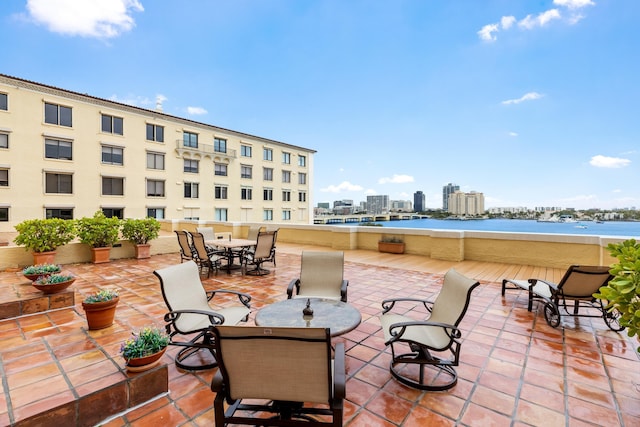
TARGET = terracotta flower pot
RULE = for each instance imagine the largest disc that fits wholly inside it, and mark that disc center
(100, 255)
(53, 288)
(44, 257)
(143, 363)
(100, 315)
(143, 251)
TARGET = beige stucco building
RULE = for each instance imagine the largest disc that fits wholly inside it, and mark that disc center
(66, 154)
(461, 203)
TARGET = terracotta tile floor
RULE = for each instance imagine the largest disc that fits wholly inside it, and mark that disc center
(515, 369)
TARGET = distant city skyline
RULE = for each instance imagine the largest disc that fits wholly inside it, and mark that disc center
(532, 103)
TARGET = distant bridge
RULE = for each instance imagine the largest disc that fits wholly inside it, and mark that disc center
(344, 219)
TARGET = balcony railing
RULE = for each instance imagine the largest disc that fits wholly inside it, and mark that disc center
(204, 150)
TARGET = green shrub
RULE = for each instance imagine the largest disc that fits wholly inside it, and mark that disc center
(44, 235)
(147, 341)
(140, 231)
(98, 231)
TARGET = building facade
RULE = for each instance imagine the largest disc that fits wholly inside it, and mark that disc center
(448, 190)
(65, 154)
(419, 201)
(377, 204)
(464, 204)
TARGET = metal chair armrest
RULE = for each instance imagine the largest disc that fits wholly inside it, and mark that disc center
(339, 372)
(214, 318)
(396, 330)
(294, 283)
(245, 299)
(388, 304)
(343, 290)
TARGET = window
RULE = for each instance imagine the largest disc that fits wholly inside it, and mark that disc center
(57, 114)
(157, 213)
(59, 183)
(246, 193)
(111, 212)
(4, 140)
(302, 178)
(302, 161)
(286, 215)
(221, 192)
(267, 215)
(4, 214)
(246, 172)
(191, 166)
(302, 196)
(286, 158)
(219, 145)
(4, 101)
(59, 213)
(56, 149)
(155, 188)
(221, 214)
(191, 190)
(245, 150)
(155, 161)
(220, 169)
(111, 124)
(112, 186)
(267, 154)
(112, 155)
(286, 176)
(155, 133)
(4, 177)
(190, 139)
(267, 174)
(267, 194)
(286, 195)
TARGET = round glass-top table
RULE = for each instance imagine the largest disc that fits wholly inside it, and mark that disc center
(338, 316)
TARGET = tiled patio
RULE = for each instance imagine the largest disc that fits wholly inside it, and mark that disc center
(515, 369)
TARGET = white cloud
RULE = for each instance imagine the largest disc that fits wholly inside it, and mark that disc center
(608, 162)
(526, 97)
(507, 22)
(342, 187)
(135, 100)
(196, 111)
(486, 32)
(86, 18)
(574, 4)
(513, 134)
(529, 22)
(396, 179)
(370, 192)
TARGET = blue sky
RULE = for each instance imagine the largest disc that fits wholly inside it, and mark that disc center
(533, 103)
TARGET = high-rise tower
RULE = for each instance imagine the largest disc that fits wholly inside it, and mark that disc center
(446, 191)
(419, 201)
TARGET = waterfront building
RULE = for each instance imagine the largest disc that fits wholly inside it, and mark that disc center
(66, 155)
(419, 201)
(401, 206)
(377, 204)
(464, 204)
(448, 190)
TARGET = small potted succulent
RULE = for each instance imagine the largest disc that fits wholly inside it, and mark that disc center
(139, 232)
(100, 308)
(35, 271)
(53, 283)
(144, 349)
(44, 236)
(100, 233)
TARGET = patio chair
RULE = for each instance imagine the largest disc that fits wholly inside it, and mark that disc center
(272, 255)
(321, 276)
(286, 372)
(438, 333)
(207, 232)
(264, 245)
(204, 256)
(578, 285)
(190, 316)
(186, 251)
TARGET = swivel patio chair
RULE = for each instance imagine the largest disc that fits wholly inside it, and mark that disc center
(190, 316)
(438, 333)
(287, 373)
(321, 276)
(578, 285)
(266, 241)
(186, 251)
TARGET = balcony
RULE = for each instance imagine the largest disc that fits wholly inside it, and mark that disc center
(203, 151)
(515, 370)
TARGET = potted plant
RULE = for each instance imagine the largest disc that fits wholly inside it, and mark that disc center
(44, 236)
(391, 244)
(144, 349)
(100, 233)
(33, 272)
(53, 283)
(100, 308)
(139, 232)
(623, 291)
